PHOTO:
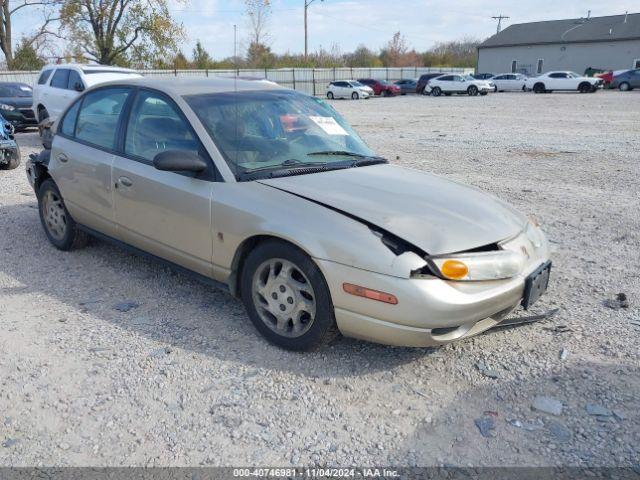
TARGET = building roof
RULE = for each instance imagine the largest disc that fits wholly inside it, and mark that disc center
(574, 30)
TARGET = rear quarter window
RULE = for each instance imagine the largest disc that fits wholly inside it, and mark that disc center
(68, 125)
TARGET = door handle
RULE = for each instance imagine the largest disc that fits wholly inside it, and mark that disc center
(62, 158)
(124, 181)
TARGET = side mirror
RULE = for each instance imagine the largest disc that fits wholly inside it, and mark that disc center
(78, 87)
(179, 161)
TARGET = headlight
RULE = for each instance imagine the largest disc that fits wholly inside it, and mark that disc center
(480, 266)
(4, 106)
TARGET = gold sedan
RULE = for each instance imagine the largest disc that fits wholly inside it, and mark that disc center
(272, 193)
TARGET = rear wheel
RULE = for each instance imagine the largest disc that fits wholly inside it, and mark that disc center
(624, 87)
(60, 228)
(286, 297)
(472, 91)
(355, 96)
(436, 91)
(330, 95)
(539, 88)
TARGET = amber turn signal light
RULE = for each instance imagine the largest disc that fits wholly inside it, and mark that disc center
(359, 291)
(454, 269)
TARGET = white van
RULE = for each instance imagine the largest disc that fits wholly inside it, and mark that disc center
(59, 85)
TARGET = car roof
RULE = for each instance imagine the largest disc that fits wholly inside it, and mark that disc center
(195, 86)
(14, 84)
(88, 67)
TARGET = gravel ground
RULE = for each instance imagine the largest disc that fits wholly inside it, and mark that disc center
(184, 380)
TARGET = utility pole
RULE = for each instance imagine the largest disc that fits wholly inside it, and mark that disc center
(307, 3)
(235, 45)
(500, 18)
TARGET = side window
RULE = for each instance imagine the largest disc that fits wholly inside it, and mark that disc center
(68, 125)
(98, 118)
(44, 76)
(60, 78)
(74, 80)
(156, 126)
(558, 75)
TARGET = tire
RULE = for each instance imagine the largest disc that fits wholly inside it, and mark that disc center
(472, 91)
(539, 88)
(264, 285)
(13, 162)
(330, 95)
(43, 114)
(384, 93)
(436, 91)
(495, 89)
(624, 87)
(355, 96)
(585, 87)
(58, 225)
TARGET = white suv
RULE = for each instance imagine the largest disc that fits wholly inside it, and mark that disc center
(59, 85)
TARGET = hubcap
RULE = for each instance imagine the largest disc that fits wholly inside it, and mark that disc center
(283, 297)
(54, 215)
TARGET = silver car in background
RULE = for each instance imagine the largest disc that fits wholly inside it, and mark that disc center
(273, 193)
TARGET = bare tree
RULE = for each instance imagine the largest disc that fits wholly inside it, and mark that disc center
(7, 12)
(258, 13)
(121, 31)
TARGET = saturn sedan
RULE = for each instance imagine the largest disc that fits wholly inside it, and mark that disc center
(272, 193)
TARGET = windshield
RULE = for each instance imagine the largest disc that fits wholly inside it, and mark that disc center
(266, 131)
(15, 91)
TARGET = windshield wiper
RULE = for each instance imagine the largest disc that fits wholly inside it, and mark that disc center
(364, 159)
(292, 162)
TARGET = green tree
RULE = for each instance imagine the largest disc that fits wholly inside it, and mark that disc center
(117, 31)
(260, 56)
(180, 62)
(201, 58)
(26, 57)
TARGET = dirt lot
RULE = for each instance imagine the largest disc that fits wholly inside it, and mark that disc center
(183, 379)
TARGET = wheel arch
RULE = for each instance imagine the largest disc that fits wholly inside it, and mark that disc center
(245, 248)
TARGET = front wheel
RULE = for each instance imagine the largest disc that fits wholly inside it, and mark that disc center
(472, 91)
(436, 91)
(11, 159)
(286, 297)
(330, 95)
(355, 96)
(585, 88)
(624, 87)
(58, 225)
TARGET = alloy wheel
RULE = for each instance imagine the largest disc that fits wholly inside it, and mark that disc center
(283, 297)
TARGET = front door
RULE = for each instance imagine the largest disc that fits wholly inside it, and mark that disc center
(167, 214)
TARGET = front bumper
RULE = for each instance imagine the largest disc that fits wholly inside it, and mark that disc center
(430, 311)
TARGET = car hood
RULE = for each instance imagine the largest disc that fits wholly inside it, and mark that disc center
(432, 213)
(18, 102)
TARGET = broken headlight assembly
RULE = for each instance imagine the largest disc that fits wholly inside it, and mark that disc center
(478, 266)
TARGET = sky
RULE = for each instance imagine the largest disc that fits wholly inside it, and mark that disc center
(349, 23)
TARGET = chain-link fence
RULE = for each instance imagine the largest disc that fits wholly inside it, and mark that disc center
(312, 81)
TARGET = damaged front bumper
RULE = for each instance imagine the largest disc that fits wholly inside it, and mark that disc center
(429, 310)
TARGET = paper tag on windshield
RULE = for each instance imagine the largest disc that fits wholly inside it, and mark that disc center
(329, 125)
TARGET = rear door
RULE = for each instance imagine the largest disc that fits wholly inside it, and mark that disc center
(167, 214)
(82, 155)
(59, 96)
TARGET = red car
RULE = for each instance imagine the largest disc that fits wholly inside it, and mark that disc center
(381, 87)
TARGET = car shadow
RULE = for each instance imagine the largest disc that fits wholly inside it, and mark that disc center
(102, 280)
